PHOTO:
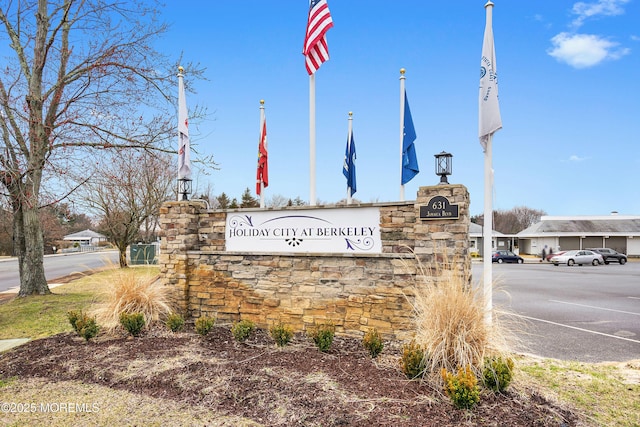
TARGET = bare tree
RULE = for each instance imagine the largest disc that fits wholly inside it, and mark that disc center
(126, 195)
(83, 75)
(512, 221)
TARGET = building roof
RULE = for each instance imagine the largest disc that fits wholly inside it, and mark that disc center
(84, 235)
(475, 230)
(614, 225)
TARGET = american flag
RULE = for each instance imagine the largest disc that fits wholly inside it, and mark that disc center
(315, 41)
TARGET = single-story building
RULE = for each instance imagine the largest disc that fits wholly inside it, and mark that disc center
(498, 240)
(86, 238)
(563, 233)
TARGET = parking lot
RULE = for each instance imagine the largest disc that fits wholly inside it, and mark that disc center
(585, 313)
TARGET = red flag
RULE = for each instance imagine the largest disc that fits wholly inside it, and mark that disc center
(315, 42)
(262, 176)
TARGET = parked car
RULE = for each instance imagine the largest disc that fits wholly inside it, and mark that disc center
(609, 255)
(506, 256)
(552, 254)
(579, 257)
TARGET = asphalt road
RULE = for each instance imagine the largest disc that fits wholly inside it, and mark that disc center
(56, 266)
(588, 314)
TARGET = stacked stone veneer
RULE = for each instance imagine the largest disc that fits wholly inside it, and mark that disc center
(354, 292)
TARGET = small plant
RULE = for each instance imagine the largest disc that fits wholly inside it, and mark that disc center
(373, 342)
(175, 322)
(323, 337)
(85, 326)
(242, 330)
(413, 360)
(497, 373)
(203, 325)
(282, 334)
(73, 317)
(461, 388)
(132, 322)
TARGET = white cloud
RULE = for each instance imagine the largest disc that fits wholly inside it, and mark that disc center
(576, 158)
(585, 11)
(635, 38)
(584, 50)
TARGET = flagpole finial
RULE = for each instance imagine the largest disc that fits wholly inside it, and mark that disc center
(489, 3)
(350, 113)
(180, 69)
(402, 71)
(262, 102)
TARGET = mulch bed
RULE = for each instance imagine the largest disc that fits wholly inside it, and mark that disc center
(292, 386)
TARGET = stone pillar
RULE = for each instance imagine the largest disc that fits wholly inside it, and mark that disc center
(442, 228)
(179, 223)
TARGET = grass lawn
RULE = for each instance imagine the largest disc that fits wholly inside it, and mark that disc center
(41, 316)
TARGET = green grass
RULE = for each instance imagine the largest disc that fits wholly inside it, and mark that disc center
(607, 393)
(41, 316)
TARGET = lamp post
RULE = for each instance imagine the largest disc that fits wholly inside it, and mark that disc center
(443, 166)
(184, 188)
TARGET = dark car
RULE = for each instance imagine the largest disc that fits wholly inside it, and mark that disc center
(506, 256)
(609, 255)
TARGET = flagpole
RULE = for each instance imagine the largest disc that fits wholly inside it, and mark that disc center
(312, 140)
(260, 142)
(402, 92)
(487, 231)
(350, 151)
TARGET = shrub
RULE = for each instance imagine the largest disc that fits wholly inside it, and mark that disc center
(132, 293)
(373, 342)
(281, 334)
(413, 360)
(85, 326)
(203, 325)
(175, 322)
(73, 317)
(132, 322)
(323, 337)
(461, 388)
(497, 373)
(242, 330)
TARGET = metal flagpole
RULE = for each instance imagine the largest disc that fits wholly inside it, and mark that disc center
(402, 93)
(487, 234)
(312, 140)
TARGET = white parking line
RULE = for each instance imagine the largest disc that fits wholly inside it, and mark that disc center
(597, 308)
(571, 327)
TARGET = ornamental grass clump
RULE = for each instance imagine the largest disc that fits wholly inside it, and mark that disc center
(449, 317)
(131, 293)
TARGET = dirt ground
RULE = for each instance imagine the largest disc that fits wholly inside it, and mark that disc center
(292, 386)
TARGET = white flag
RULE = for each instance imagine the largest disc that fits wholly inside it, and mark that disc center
(489, 112)
(184, 157)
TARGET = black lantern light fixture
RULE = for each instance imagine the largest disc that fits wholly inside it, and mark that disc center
(184, 188)
(443, 166)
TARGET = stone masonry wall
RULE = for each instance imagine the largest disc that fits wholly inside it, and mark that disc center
(354, 292)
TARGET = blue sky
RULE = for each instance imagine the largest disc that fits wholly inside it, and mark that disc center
(569, 97)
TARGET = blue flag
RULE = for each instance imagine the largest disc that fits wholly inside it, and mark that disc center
(349, 165)
(409, 160)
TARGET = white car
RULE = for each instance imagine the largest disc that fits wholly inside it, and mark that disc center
(577, 257)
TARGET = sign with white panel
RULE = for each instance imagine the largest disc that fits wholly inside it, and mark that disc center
(339, 230)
